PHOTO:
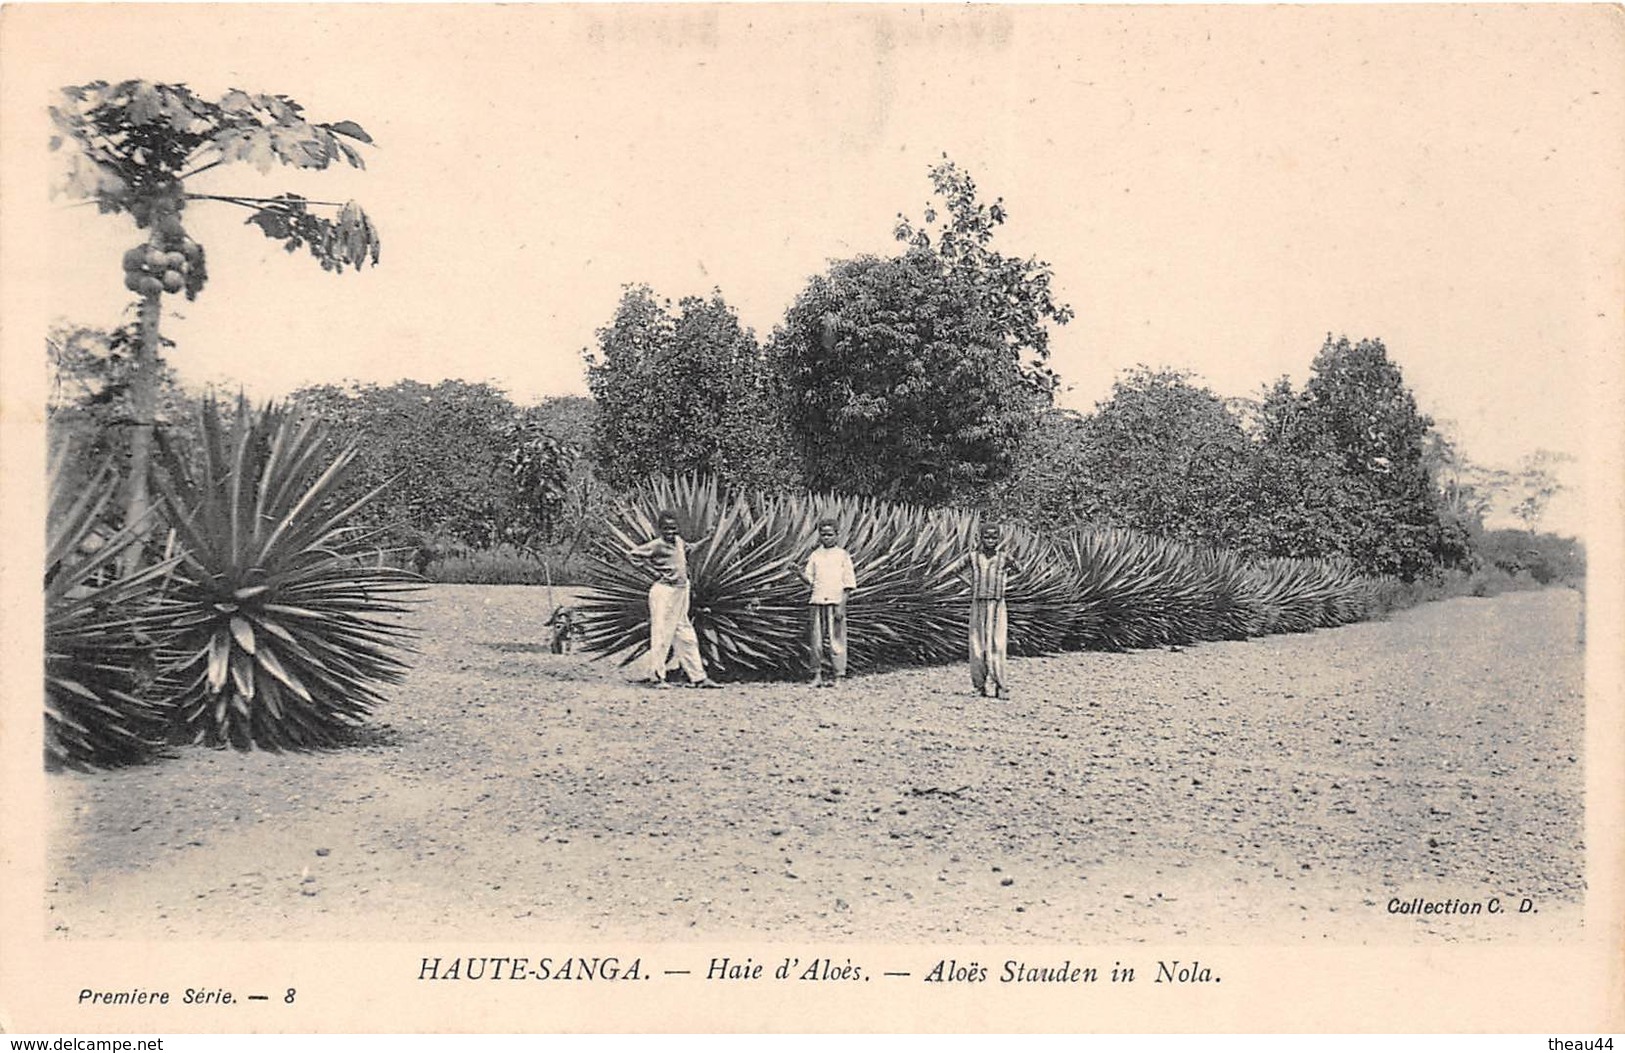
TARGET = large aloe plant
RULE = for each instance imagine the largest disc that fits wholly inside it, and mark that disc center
(282, 628)
(1134, 591)
(742, 591)
(100, 627)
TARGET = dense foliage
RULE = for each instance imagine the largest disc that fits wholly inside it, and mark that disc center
(100, 626)
(1350, 454)
(90, 406)
(1346, 469)
(1167, 457)
(1545, 558)
(1047, 488)
(465, 468)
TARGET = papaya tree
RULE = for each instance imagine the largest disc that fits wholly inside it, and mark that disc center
(134, 148)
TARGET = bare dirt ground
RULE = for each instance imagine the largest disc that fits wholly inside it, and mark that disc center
(1275, 790)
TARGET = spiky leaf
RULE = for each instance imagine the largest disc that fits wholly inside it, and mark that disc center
(100, 628)
(274, 579)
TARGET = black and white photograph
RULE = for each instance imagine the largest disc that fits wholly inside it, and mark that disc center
(756, 518)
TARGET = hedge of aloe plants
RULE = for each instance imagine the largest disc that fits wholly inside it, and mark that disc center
(262, 620)
(1083, 589)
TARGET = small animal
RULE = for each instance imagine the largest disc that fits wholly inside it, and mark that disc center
(566, 630)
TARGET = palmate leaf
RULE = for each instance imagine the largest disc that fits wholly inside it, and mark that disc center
(282, 630)
(350, 241)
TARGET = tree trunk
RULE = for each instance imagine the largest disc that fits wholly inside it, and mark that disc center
(143, 410)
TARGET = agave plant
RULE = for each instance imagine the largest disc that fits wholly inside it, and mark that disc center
(738, 577)
(1140, 591)
(1229, 610)
(1297, 595)
(281, 630)
(100, 628)
(1354, 597)
(1134, 591)
(1043, 599)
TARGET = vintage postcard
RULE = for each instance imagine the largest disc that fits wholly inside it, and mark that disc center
(875, 518)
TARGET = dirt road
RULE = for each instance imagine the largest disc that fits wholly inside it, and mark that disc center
(1283, 789)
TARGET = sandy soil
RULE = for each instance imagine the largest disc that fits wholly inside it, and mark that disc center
(1280, 789)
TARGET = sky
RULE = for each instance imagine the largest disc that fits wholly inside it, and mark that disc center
(1215, 189)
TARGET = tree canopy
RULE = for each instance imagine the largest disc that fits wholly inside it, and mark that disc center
(437, 450)
(138, 142)
(1347, 466)
(1166, 456)
(916, 376)
(682, 389)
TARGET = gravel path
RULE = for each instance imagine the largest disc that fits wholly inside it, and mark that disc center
(1281, 789)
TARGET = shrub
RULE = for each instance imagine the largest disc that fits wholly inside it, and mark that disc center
(1546, 558)
(505, 565)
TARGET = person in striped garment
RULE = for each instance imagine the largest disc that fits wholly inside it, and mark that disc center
(988, 568)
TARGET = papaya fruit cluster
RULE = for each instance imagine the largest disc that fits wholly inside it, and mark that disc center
(169, 261)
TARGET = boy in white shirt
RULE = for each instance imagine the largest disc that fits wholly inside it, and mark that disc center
(829, 573)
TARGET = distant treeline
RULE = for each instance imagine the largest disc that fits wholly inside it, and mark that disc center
(921, 377)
